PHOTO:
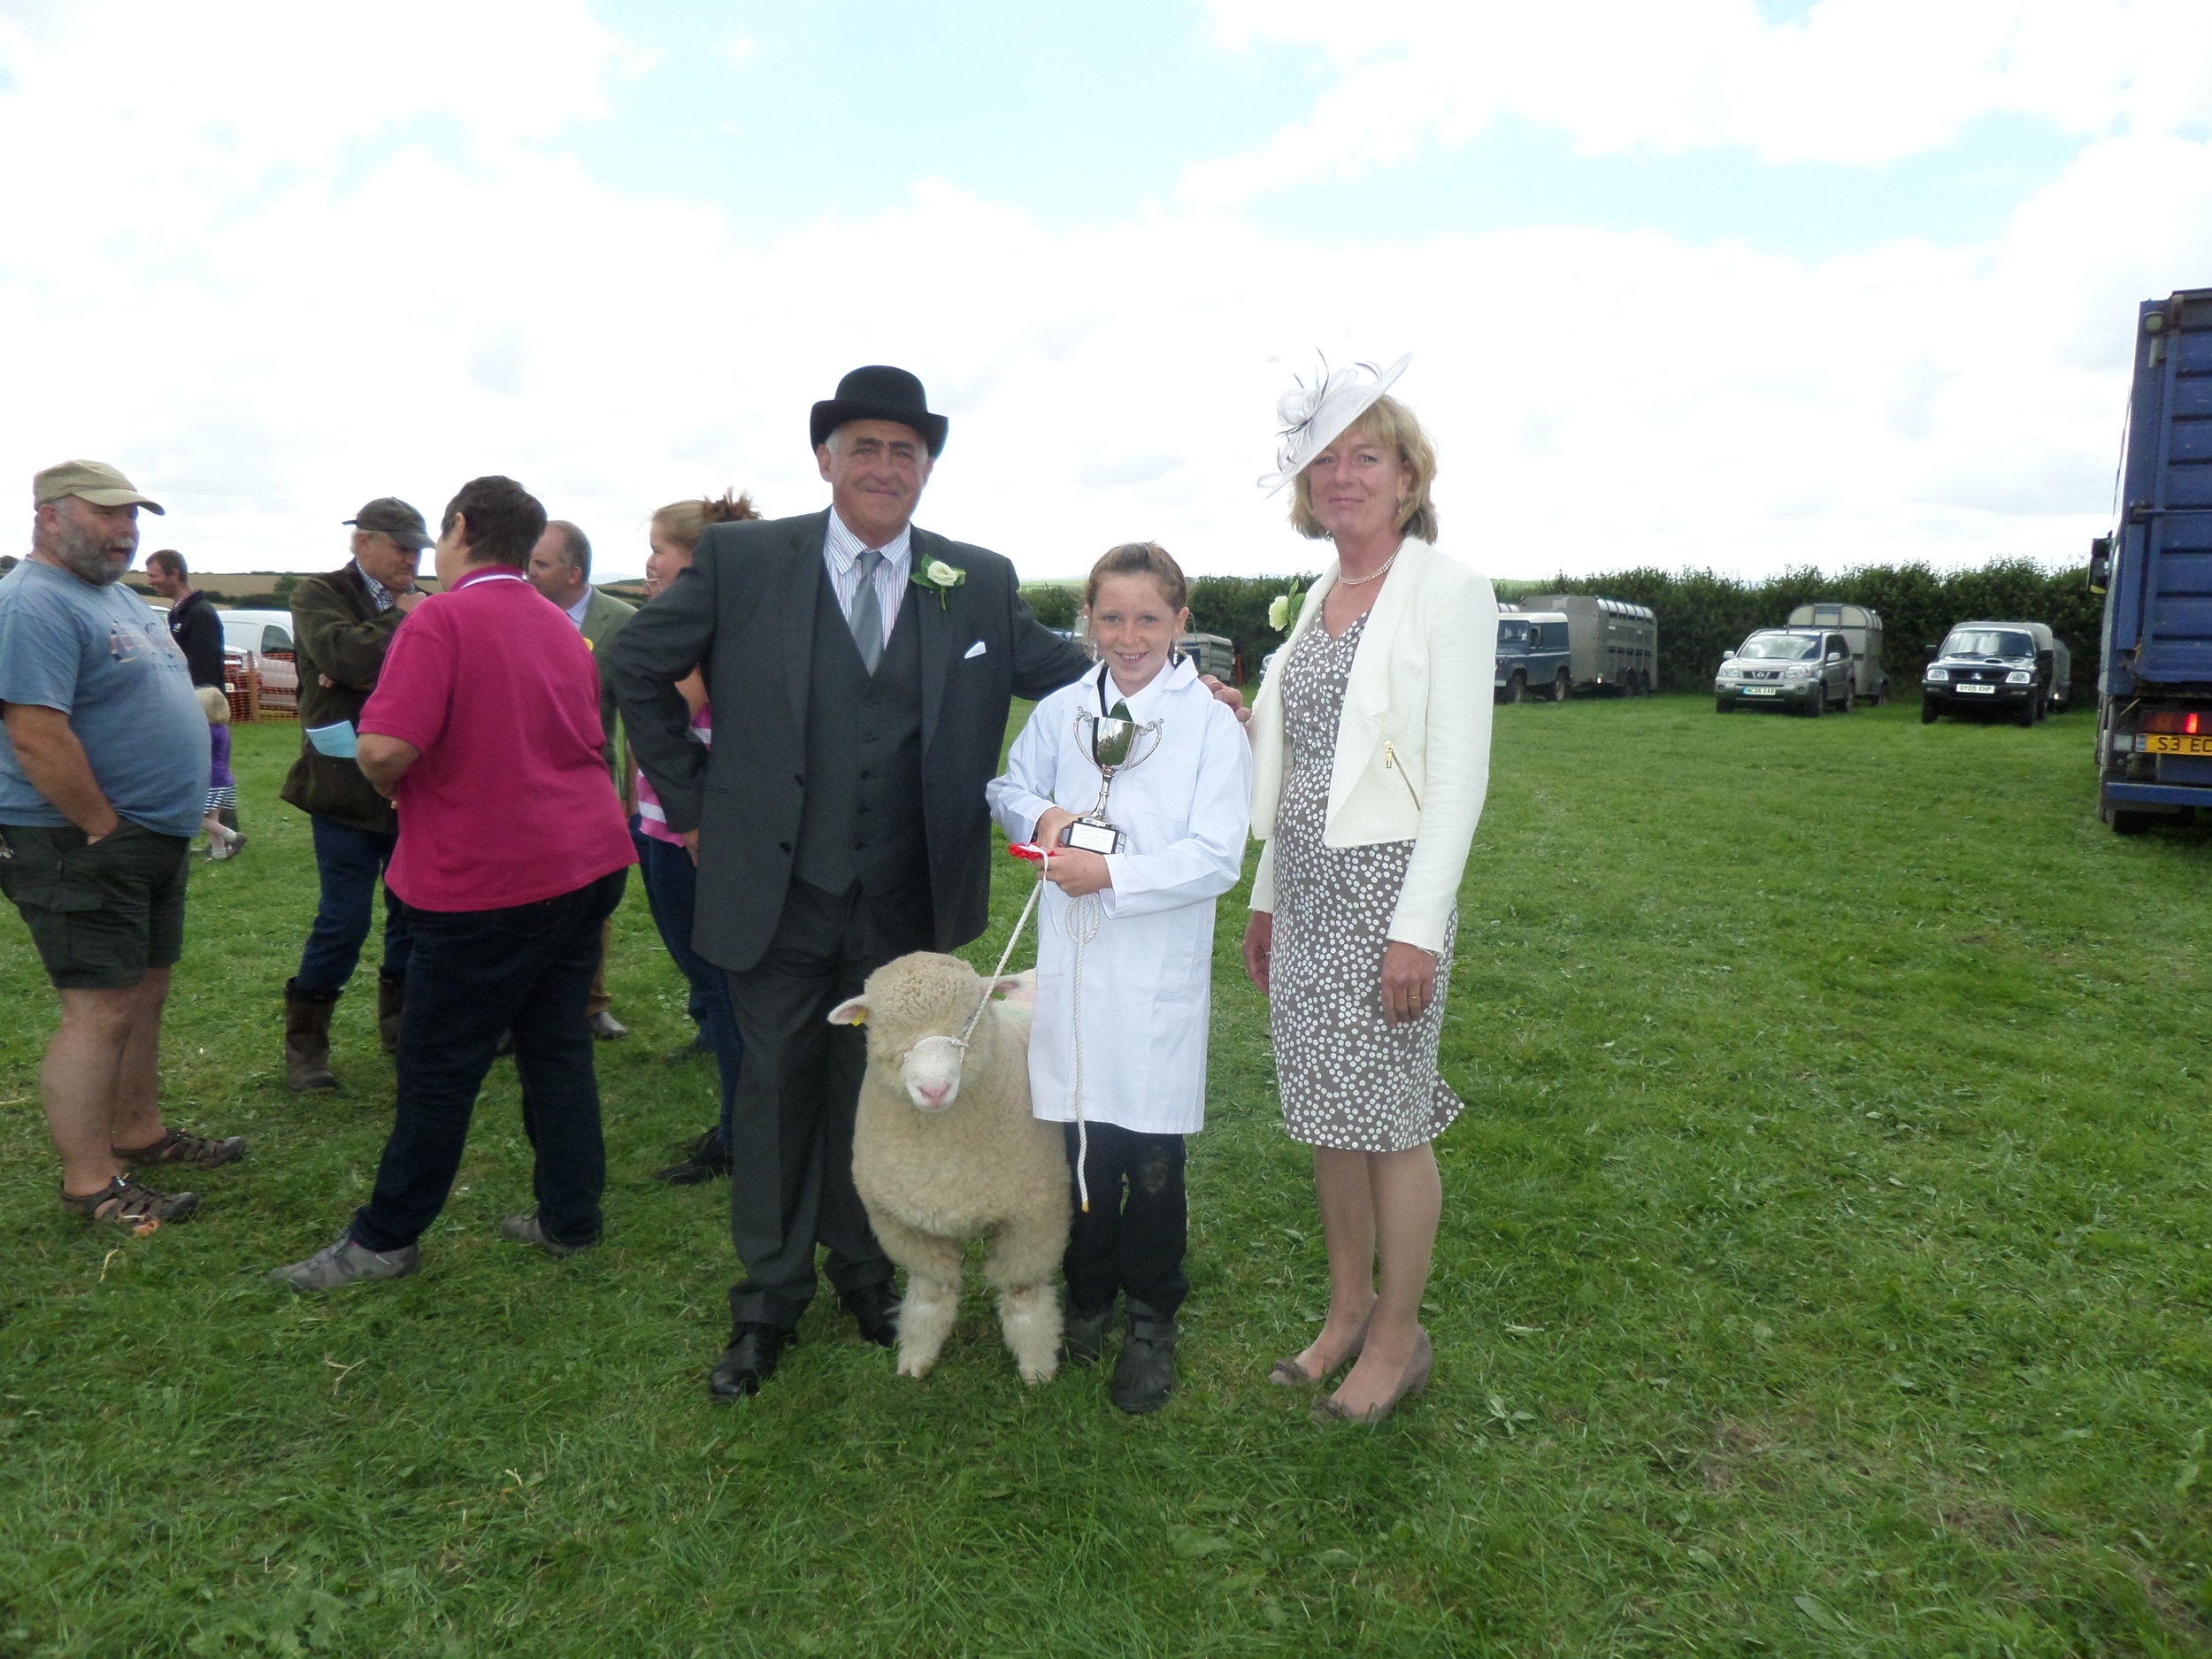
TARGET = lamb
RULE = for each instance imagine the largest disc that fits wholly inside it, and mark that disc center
(945, 1149)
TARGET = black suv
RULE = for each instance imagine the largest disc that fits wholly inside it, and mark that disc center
(1986, 668)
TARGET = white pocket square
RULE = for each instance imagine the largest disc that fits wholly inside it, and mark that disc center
(974, 651)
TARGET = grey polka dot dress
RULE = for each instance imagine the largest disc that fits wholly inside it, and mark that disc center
(1348, 1081)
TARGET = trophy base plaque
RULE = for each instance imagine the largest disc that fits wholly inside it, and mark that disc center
(1085, 836)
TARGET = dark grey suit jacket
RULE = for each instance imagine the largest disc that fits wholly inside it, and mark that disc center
(745, 611)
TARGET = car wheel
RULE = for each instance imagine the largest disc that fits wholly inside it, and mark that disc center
(1721, 705)
(1929, 711)
(1561, 684)
(2026, 717)
(1843, 705)
(1516, 688)
(1818, 706)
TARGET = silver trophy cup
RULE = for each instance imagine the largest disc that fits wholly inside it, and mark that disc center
(1115, 743)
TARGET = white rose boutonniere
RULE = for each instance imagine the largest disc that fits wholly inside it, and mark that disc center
(939, 577)
(1282, 611)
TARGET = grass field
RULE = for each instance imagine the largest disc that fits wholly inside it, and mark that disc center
(1825, 1269)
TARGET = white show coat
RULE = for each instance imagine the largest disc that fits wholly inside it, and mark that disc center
(1183, 813)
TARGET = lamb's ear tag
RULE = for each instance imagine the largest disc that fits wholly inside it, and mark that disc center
(852, 1012)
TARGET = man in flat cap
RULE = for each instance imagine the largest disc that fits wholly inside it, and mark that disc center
(841, 822)
(342, 626)
(103, 765)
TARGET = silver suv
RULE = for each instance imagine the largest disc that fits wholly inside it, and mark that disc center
(1807, 670)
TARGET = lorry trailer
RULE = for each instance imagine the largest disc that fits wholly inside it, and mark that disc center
(2154, 666)
(1612, 646)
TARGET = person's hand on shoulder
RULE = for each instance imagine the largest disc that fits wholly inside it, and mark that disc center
(1229, 694)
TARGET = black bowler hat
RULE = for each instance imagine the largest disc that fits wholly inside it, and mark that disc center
(878, 392)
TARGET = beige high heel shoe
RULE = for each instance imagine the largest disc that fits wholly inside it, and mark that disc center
(1414, 1381)
(1289, 1373)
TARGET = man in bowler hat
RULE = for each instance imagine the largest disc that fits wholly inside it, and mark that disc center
(839, 823)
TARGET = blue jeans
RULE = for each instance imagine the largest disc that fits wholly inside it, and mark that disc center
(672, 891)
(475, 974)
(349, 863)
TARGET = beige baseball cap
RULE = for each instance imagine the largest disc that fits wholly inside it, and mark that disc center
(95, 481)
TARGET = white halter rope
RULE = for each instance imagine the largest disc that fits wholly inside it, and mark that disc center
(1081, 925)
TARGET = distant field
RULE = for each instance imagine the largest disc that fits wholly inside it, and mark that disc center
(1826, 1270)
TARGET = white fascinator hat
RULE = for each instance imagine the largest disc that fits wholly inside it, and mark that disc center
(1314, 416)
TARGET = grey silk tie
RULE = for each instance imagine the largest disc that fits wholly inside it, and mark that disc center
(867, 617)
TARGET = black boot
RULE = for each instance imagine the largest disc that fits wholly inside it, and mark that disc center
(391, 1003)
(307, 1040)
(1144, 1376)
(1083, 1335)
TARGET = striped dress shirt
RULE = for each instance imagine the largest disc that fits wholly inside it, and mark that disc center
(840, 552)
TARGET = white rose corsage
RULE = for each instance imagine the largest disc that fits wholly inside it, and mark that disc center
(1282, 611)
(939, 577)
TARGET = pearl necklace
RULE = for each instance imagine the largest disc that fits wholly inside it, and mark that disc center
(1343, 581)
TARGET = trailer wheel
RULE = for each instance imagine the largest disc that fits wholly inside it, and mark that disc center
(1516, 688)
(1561, 684)
(1881, 695)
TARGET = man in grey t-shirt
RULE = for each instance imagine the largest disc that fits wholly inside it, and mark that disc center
(104, 764)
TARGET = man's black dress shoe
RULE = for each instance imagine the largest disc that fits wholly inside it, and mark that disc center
(875, 1309)
(749, 1360)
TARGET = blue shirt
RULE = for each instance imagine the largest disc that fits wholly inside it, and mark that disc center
(104, 657)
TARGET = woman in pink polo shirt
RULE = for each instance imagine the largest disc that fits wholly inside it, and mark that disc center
(484, 730)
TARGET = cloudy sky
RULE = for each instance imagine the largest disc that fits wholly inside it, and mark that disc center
(1706, 282)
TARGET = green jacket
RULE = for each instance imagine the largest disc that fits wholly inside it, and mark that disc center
(604, 619)
(338, 632)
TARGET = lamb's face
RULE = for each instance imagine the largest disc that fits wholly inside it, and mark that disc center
(931, 1071)
(915, 1010)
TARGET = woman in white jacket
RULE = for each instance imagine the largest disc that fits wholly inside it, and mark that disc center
(1372, 751)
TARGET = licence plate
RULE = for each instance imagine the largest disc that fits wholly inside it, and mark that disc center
(1762, 691)
(1976, 691)
(2174, 743)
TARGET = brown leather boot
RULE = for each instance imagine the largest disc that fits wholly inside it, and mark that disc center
(307, 1041)
(391, 999)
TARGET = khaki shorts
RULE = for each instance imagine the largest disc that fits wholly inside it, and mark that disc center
(100, 915)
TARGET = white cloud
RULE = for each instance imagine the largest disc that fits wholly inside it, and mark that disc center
(1858, 82)
(282, 342)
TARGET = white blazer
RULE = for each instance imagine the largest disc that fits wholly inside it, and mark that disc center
(1413, 744)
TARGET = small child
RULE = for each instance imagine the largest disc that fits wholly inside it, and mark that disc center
(222, 787)
(1136, 1048)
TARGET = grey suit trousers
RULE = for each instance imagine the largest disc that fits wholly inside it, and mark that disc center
(791, 1154)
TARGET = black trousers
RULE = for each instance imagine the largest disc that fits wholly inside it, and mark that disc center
(472, 975)
(791, 1116)
(1133, 1238)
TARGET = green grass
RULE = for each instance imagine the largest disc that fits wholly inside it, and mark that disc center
(1825, 1269)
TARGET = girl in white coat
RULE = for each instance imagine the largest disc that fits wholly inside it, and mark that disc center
(1137, 1040)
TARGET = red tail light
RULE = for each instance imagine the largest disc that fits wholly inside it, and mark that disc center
(2185, 722)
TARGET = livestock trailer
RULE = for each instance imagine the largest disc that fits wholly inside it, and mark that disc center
(1613, 647)
(2154, 673)
(1861, 631)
